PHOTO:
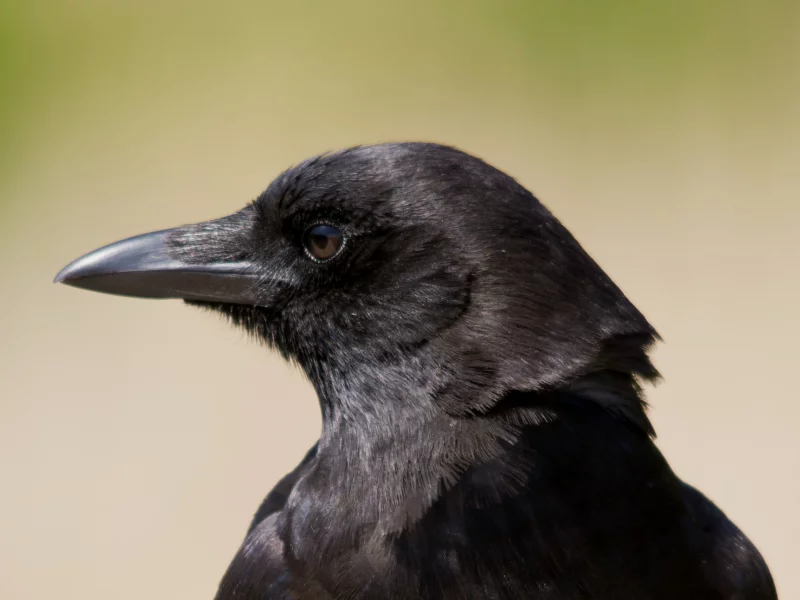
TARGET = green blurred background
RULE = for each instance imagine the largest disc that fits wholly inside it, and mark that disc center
(137, 438)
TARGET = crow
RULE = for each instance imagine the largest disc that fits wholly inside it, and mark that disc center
(480, 380)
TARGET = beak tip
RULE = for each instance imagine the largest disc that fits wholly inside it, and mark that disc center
(72, 271)
(63, 275)
(126, 255)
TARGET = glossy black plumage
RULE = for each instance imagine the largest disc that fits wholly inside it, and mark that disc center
(479, 377)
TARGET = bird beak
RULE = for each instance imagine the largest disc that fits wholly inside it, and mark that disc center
(142, 267)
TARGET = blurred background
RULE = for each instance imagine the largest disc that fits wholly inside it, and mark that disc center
(137, 438)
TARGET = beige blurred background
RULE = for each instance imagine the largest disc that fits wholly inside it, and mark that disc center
(138, 437)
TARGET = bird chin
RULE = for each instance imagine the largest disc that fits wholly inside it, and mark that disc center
(256, 321)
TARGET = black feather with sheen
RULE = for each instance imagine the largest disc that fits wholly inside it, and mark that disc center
(484, 432)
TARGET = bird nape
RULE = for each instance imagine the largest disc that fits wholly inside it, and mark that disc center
(484, 432)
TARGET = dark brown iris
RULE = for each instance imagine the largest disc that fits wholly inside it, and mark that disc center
(323, 242)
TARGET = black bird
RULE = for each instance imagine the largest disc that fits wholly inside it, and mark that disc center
(485, 434)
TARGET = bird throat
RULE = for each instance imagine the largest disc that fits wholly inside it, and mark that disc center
(389, 451)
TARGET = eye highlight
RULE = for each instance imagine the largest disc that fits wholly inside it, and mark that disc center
(322, 242)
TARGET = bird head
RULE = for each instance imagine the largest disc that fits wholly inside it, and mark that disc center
(412, 261)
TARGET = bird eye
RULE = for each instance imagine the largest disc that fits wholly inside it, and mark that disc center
(323, 242)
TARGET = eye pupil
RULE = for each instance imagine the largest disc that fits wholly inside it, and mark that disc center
(323, 241)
